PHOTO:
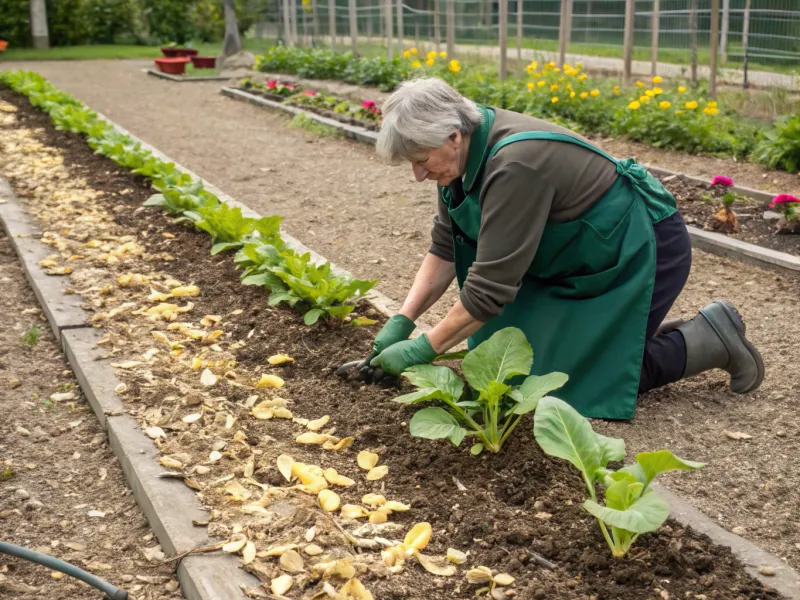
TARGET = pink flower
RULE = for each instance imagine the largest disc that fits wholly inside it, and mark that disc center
(309, 93)
(783, 199)
(720, 180)
(272, 84)
(288, 86)
(368, 104)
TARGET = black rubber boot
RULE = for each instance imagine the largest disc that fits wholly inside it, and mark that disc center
(715, 340)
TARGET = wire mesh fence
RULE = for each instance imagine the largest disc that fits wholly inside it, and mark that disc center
(755, 35)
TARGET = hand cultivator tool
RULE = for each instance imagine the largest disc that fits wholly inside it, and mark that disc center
(360, 369)
(111, 592)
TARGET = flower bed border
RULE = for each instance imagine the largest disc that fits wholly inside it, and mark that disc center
(714, 243)
(184, 79)
(216, 576)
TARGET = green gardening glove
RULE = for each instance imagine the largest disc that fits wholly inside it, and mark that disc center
(402, 355)
(397, 329)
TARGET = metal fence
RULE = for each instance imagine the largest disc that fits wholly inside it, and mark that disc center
(759, 35)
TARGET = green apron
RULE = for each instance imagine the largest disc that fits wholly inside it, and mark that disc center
(584, 301)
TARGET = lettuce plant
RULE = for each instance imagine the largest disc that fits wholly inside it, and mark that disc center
(230, 230)
(631, 506)
(492, 406)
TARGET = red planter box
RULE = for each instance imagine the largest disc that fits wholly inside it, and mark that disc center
(172, 66)
(204, 62)
(176, 52)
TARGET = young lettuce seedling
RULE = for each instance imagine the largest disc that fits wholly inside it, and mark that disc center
(492, 407)
(632, 507)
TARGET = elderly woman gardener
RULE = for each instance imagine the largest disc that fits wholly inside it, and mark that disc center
(545, 232)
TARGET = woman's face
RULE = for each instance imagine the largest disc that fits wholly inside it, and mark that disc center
(442, 164)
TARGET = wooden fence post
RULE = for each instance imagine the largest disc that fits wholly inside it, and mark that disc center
(353, 28)
(723, 42)
(714, 49)
(287, 24)
(314, 23)
(399, 27)
(745, 40)
(293, 13)
(519, 34)
(655, 23)
(502, 24)
(389, 34)
(693, 38)
(451, 28)
(436, 26)
(562, 34)
(628, 41)
(332, 22)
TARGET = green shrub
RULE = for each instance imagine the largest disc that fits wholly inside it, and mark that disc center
(169, 20)
(15, 22)
(779, 148)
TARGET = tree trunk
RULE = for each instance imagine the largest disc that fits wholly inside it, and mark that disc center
(41, 36)
(232, 43)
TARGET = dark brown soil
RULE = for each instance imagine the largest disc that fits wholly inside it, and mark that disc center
(495, 517)
(698, 202)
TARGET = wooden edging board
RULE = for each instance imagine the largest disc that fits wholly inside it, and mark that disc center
(179, 79)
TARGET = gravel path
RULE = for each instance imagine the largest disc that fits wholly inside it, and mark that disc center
(62, 491)
(373, 220)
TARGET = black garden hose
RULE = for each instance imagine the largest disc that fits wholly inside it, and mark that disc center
(111, 592)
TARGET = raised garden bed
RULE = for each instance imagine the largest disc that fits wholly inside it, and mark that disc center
(496, 517)
(699, 203)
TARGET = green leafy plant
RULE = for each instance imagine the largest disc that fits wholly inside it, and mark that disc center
(631, 506)
(492, 406)
(779, 148)
(31, 336)
(230, 230)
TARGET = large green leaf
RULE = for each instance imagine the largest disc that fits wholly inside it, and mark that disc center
(562, 432)
(646, 513)
(611, 449)
(441, 379)
(505, 354)
(661, 461)
(436, 423)
(536, 387)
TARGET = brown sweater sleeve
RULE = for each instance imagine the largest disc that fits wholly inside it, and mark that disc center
(515, 205)
(441, 235)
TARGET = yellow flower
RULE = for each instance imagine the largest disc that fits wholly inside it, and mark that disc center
(430, 62)
(582, 76)
(551, 65)
(644, 99)
(530, 85)
(568, 86)
(557, 69)
(561, 79)
(442, 54)
(529, 69)
(541, 83)
(616, 89)
(657, 79)
(536, 75)
(679, 112)
(407, 53)
(710, 111)
(594, 93)
(572, 94)
(454, 66)
(413, 51)
(579, 65)
(416, 64)
(711, 104)
(650, 93)
(681, 89)
(634, 105)
(665, 105)
(553, 87)
(584, 95)
(431, 55)
(691, 105)
(639, 84)
(534, 65)
(658, 91)
(554, 99)
(567, 67)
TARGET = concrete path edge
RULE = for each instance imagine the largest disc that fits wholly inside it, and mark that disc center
(213, 577)
(178, 79)
(714, 243)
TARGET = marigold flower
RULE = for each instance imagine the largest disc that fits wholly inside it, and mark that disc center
(413, 51)
(541, 83)
(711, 104)
(639, 84)
(572, 94)
(531, 85)
(657, 79)
(658, 91)
(650, 93)
(644, 99)
(442, 54)
(616, 89)
(691, 105)
(665, 105)
(431, 54)
(721, 180)
(634, 105)
(582, 76)
(681, 89)
(553, 87)
(554, 99)
(534, 65)
(529, 69)
(430, 62)
(594, 93)
(710, 111)
(584, 95)
(454, 66)
(568, 86)
(567, 67)
(551, 64)
(416, 64)
(407, 53)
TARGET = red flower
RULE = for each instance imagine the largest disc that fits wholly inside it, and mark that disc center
(783, 199)
(368, 104)
(288, 86)
(309, 93)
(723, 181)
(272, 84)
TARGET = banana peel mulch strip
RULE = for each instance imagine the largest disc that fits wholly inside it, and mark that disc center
(173, 360)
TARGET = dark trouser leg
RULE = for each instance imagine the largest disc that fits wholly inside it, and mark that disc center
(664, 357)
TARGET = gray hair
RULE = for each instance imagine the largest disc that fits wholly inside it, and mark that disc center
(421, 115)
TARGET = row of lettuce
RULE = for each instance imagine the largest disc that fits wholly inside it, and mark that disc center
(264, 257)
(499, 389)
(673, 116)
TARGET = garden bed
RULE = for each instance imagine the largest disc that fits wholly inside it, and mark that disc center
(493, 518)
(698, 204)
